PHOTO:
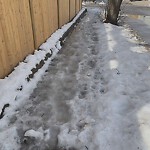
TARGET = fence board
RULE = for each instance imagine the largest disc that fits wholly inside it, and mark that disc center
(80, 4)
(4, 62)
(77, 6)
(53, 12)
(3, 59)
(26, 22)
(45, 19)
(72, 8)
(37, 22)
(63, 12)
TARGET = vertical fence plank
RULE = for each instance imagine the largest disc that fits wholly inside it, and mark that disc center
(3, 54)
(26, 22)
(80, 4)
(37, 22)
(63, 12)
(77, 6)
(9, 24)
(4, 61)
(54, 10)
(44, 18)
(53, 15)
(72, 8)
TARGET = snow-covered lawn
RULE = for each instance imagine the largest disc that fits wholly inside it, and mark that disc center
(96, 96)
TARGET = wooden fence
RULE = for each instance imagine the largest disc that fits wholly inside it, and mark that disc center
(26, 24)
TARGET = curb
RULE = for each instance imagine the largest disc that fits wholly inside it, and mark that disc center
(48, 55)
(72, 27)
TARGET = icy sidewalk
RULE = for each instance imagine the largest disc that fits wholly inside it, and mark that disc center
(94, 96)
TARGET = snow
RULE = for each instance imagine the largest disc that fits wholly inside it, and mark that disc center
(111, 106)
(35, 134)
(102, 3)
(118, 121)
(144, 121)
(39, 135)
(15, 88)
(10, 139)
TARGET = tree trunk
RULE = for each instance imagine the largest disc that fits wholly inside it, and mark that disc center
(113, 9)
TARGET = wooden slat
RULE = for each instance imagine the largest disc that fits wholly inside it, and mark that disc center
(44, 18)
(72, 8)
(37, 22)
(80, 4)
(54, 10)
(63, 12)
(4, 61)
(53, 16)
(26, 23)
(77, 6)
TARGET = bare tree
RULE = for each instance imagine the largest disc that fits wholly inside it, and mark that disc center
(113, 8)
